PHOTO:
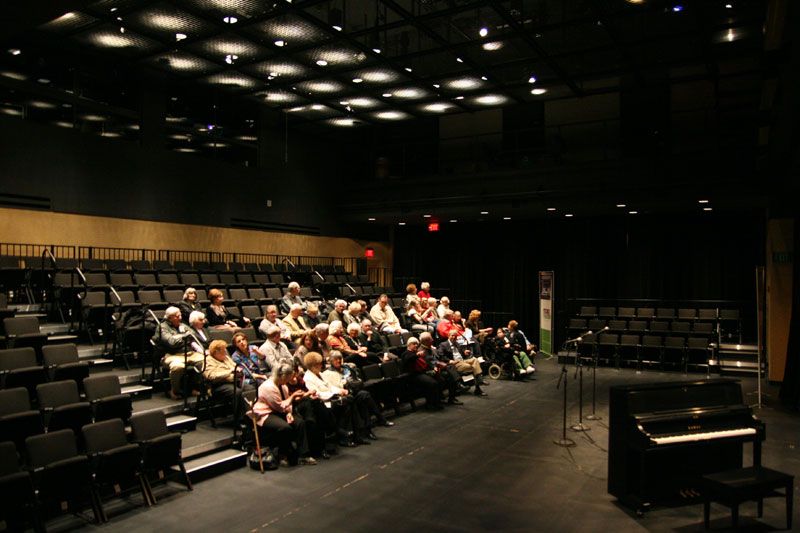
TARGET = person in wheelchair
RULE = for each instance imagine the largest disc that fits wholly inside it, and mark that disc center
(504, 357)
(523, 349)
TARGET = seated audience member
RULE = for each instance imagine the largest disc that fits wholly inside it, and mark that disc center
(200, 336)
(271, 319)
(465, 334)
(351, 315)
(416, 317)
(275, 418)
(274, 351)
(411, 293)
(295, 322)
(219, 317)
(474, 324)
(171, 336)
(521, 361)
(323, 337)
(454, 354)
(383, 315)
(374, 341)
(220, 373)
(312, 316)
(447, 376)
(189, 304)
(444, 305)
(342, 375)
(320, 422)
(424, 290)
(446, 324)
(338, 312)
(364, 314)
(292, 297)
(350, 423)
(336, 337)
(519, 343)
(420, 372)
(357, 352)
(254, 363)
(308, 343)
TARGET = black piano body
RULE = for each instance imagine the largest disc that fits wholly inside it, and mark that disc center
(664, 436)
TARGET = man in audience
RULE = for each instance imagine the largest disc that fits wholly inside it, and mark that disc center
(322, 333)
(451, 352)
(338, 312)
(446, 324)
(271, 319)
(312, 316)
(374, 341)
(275, 352)
(445, 374)
(383, 315)
(292, 297)
(295, 322)
(172, 336)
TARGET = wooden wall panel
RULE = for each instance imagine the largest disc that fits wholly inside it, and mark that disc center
(779, 293)
(44, 227)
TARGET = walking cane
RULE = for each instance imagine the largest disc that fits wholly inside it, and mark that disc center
(252, 417)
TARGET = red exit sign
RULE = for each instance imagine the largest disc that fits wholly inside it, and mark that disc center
(433, 226)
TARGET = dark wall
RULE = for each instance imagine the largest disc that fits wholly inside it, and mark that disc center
(664, 257)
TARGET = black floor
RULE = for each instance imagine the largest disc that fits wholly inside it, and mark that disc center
(489, 465)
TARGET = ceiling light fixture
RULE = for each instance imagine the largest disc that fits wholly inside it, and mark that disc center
(280, 43)
(633, 212)
(506, 218)
(459, 98)
(14, 51)
(484, 212)
(551, 208)
(538, 91)
(322, 62)
(408, 69)
(706, 209)
(483, 32)
(532, 79)
(230, 19)
(376, 50)
(490, 99)
(568, 215)
(677, 9)
(436, 85)
(453, 220)
(426, 216)
(371, 219)
(401, 223)
(459, 60)
(484, 78)
(728, 6)
(387, 95)
(336, 27)
(492, 46)
(702, 201)
(621, 205)
(357, 80)
(180, 36)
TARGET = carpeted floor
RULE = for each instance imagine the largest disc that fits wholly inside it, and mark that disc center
(489, 465)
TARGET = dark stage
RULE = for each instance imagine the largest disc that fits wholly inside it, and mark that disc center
(485, 466)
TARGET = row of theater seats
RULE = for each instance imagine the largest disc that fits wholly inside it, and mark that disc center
(680, 328)
(661, 313)
(54, 467)
(23, 367)
(664, 351)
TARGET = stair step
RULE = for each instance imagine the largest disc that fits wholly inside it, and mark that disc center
(215, 464)
(62, 339)
(137, 389)
(181, 422)
(100, 364)
(54, 328)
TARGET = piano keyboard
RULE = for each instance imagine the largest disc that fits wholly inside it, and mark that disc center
(693, 437)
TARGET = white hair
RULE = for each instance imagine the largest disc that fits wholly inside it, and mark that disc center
(322, 326)
(195, 316)
(425, 286)
(272, 330)
(295, 307)
(411, 340)
(293, 285)
(335, 354)
(353, 327)
(171, 311)
(337, 303)
(431, 300)
(335, 326)
(425, 336)
(188, 291)
(445, 300)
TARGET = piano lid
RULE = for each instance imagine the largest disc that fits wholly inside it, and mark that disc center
(679, 395)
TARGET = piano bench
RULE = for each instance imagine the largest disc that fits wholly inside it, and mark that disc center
(733, 487)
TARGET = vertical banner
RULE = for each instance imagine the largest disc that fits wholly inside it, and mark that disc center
(780, 255)
(546, 312)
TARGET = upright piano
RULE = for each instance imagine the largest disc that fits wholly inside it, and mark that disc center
(664, 436)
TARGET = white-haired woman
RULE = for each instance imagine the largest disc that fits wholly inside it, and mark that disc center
(424, 291)
(444, 305)
(189, 304)
(355, 350)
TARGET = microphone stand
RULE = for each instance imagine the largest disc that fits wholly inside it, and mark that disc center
(579, 372)
(594, 415)
(564, 442)
(108, 318)
(151, 313)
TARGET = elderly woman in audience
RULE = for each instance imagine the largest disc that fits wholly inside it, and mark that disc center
(338, 312)
(419, 369)
(320, 423)
(276, 420)
(444, 306)
(219, 316)
(337, 337)
(292, 297)
(312, 316)
(342, 375)
(350, 424)
(424, 292)
(220, 373)
(253, 362)
(200, 336)
(411, 293)
(308, 343)
(479, 331)
(271, 319)
(189, 303)
(357, 351)
(417, 317)
(351, 315)
(521, 346)
(322, 332)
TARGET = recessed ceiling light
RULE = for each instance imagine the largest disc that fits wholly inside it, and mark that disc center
(706, 209)
(621, 205)
(532, 79)
(409, 92)
(459, 98)
(437, 107)
(401, 223)
(371, 219)
(180, 36)
(538, 91)
(14, 51)
(322, 62)
(702, 201)
(633, 212)
(363, 101)
(551, 208)
(357, 80)
(568, 215)
(408, 69)
(376, 50)
(677, 9)
(344, 102)
(280, 43)
(483, 32)
(230, 19)
(436, 85)
(728, 6)
(43, 81)
(387, 95)
(426, 216)
(453, 220)
(317, 107)
(336, 27)
(459, 60)
(491, 99)
(484, 78)
(492, 46)
(484, 212)
(391, 115)
(506, 218)
(464, 83)
(344, 121)
(42, 105)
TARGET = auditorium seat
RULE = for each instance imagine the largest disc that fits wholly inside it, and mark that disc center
(19, 368)
(169, 280)
(62, 363)
(203, 267)
(160, 448)
(162, 265)
(245, 279)
(229, 279)
(22, 331)
(240, 296)
(274, 294)
(126, 300)
(659, 326)
(704, 329)
(210, 279)
(607, 312)
(637, 326)
(651, 348)
(707, 314)
(596, 324)
(62, 406)
(18, 420)
(218, 266)
(262, 278)
(587, 347)
(645, 313)
(698, 351)
(258, 295)
(173, 296)
(234, 266)
(687, 314)
(607, 345)
(96, 280)
(221, 334)
(626, 312)
(113, 461)
(16, 485)
(146, 280)
(122, 281)
(59, 472)
(665, 313)
(674, 350)
(141, 265)
(191, 279)
(251, 267)
(681, 328)
(617, 326)
(152, 298)
(104, 394)
(116, 265)
(92, 265)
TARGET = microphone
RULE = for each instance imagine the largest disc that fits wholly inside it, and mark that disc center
(580, 338)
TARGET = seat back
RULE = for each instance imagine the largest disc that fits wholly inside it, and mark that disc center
(221, 334)
(21, 325)
(101, 386)
(103, 436)
(238, 294)
(674, 343)
(596, 324)
(17, 358)
(609, 338)
(707, 314)
(617, 325)
(629, 340)
(228, 278)
(173, 296)
(57, 393)
(607, 312)
(577, 323)
(637, 325)
(51, 447)
(390, 369)
(251, 311)
(626, 312)
(14, 401)
(150, 296)
(687, 314)
(148, 425)
(145, 278)
(395, 340)
(59, 354)
(645, 312)
(588, 310)
(9, 459)
(120, 278)
(169, 278)
(698, 343)
(657, 325)
(651, 340)
(371, 372)
(665, 313)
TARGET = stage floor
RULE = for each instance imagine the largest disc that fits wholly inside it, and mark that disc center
(488, 465)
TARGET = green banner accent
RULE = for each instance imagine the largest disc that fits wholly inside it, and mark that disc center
(544, 338)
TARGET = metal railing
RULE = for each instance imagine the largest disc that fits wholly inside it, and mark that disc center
(108, 253)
